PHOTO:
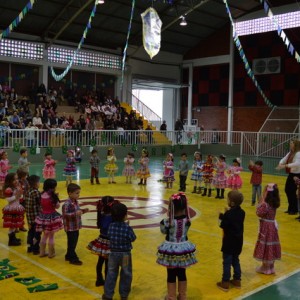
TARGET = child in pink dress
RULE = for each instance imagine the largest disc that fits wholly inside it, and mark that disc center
(49, 220)
(234, 180)
(128, 170)
(13, 212)
(268, 247)
(4, 167)
(49, 168)
(169, 171)
(220, 178)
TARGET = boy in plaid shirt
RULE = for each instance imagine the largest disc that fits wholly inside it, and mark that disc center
(121, 236)
(32, 200)
(72, 222)
(94, 161)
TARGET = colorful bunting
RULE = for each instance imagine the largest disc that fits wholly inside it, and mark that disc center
(281, 33)
(88, 26)
(244, 58)
(127, 41)
(17, 20)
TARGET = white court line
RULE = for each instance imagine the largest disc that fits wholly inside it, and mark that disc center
(51, 271)
(268, 284)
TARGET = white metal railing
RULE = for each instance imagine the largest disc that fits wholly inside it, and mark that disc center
(250, 143)
(144, 110)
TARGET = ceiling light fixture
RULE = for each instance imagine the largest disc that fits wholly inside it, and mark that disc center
(183, 21)
(101, 1)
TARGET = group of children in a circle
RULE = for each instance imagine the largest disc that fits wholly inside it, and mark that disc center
(212, 173)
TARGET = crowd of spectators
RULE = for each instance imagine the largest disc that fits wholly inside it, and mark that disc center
(96, 110)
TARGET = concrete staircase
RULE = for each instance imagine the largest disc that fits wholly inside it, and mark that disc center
(158, 137)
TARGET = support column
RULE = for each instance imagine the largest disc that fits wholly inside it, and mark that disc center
(43, 74)
(230, 91)
(190, 96)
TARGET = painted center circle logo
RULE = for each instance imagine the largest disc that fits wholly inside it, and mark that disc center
(142, 212)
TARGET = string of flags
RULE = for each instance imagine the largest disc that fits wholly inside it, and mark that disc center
(127, 42)
(280, 31)
(244, 58)
(85, 32)
(5, 33)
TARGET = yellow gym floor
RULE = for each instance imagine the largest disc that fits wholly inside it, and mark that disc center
(146, 208)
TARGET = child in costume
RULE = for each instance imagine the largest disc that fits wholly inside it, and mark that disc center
(220, 178)
(13, 212)
(49, 167)
(234, 181)
(143, 172)
(49, 220)
(176, 253)
(121, 236)
(207, 175)
(256, 179)
(111, 168)
(23, 184)
(128, 170)
(232, 223)
(32, 200)
(169, 171)
(100, 246)
(197, 172)
(23, 162)
(72, 222)
(183, 172)
(70, 168)
(4, 168)
(267, 247)
(297, 181)
(94, 162)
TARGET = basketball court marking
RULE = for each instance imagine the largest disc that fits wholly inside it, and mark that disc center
(77, 285)
(268, 284)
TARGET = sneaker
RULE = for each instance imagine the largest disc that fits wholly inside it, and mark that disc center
(236, 283)
(223, 285)
(104, 297)
(29, 249)
(76, 262)
(100, 282)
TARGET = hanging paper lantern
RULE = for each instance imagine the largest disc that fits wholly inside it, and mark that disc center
(151, 31)
(93, 142)
(134, 147)
(16, 147)
(103, 137)
(33, 150)
(64, 149)
(49, 150)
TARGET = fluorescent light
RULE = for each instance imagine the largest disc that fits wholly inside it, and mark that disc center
(183, 21)
(101, 1)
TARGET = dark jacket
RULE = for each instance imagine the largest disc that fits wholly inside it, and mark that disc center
(232, 222)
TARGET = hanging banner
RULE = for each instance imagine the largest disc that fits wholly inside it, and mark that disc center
(151, 31)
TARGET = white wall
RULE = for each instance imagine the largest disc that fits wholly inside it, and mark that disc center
(169, 108)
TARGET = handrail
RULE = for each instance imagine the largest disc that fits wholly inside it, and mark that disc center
(143, 109)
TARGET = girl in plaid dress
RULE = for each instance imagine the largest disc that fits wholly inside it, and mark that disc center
(267, 247)
(100, 246)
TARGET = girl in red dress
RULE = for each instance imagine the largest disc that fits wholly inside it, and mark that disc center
(267, 247)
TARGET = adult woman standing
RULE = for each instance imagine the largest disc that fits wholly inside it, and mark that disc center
(291, 164)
